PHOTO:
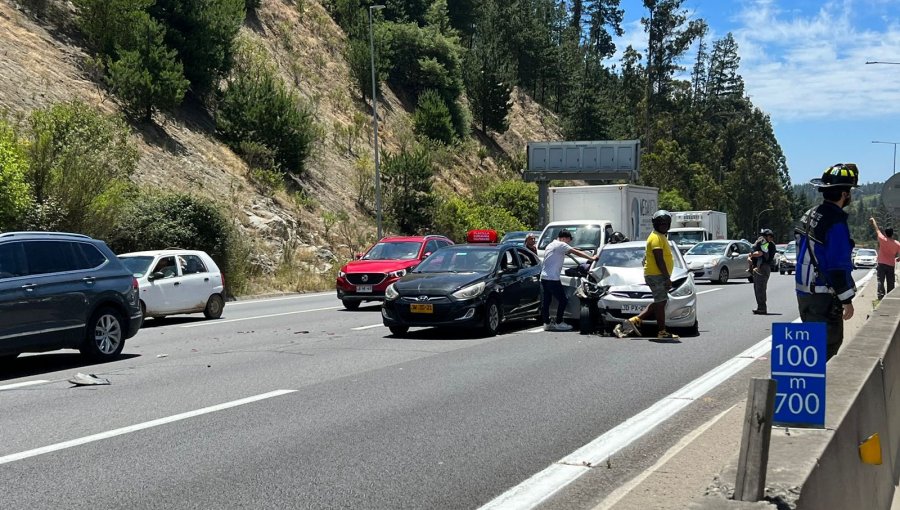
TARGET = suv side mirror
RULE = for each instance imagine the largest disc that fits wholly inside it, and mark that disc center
(359, 256)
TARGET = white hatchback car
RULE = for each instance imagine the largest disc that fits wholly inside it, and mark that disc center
(176, 282)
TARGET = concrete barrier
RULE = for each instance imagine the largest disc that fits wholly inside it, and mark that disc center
(815, 469)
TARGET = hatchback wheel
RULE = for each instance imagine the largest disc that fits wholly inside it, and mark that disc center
(105, 337)
(214, 307)
(723, 275)
(492, 318)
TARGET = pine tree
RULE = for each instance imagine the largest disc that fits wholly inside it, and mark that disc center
(432, 118)
(486, 74)
(148, 76)
(723, 82)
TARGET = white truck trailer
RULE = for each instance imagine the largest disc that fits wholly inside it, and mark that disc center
(692, 227)
(592, 212)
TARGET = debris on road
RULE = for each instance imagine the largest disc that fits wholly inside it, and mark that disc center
(162, 355)
(301, 332)
(87, 380)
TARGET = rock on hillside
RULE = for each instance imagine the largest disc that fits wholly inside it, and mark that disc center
(40, 65)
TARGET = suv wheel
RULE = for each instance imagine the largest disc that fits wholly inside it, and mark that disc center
(214, 307)
(351, 304)
(105, 336)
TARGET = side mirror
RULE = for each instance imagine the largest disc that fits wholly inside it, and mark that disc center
(510, 270)
(359, 256)
(426, 255)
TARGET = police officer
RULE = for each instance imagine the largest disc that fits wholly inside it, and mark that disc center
(762, 256)
(825, 287)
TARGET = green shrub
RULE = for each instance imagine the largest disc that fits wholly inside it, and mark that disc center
(455, 216)
(81, 160)
(257, 107)
(15, 192)
(517, 197)
(109, 24)
(408, 189)
(432, 118)
(148, 76)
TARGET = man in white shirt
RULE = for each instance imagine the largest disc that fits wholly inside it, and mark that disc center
(554, 256)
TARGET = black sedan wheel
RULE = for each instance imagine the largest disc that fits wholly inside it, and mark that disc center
(492, 318)
(105, 336)
(398, 330)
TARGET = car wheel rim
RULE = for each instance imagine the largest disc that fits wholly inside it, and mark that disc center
(494, 317)
(723, 276)
(107, 334)
(214, 306)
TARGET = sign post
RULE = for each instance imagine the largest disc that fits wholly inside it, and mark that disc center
(798, 367)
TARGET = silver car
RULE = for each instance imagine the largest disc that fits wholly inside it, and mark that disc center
(621, 268)
(719, 261)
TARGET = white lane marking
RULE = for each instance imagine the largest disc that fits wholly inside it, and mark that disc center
(536, 330)
(708, 291)
(140, 426)
(268, 300)
(22, 384)
(368, 327)
(544, 484)
(223, 321)
(617, 495)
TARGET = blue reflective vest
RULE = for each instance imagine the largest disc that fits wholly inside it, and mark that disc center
(829, 237)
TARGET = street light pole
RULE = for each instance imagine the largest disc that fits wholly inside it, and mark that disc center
(375, 122)
(895, 152)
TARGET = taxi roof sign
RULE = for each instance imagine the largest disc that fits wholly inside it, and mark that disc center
(481, 236)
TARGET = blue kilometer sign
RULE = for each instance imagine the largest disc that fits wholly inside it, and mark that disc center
(798, 367)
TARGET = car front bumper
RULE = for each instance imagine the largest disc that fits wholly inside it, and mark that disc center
(681, 312)
(352, 292)
(445, 313)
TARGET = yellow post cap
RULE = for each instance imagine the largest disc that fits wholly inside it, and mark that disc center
(870, 450)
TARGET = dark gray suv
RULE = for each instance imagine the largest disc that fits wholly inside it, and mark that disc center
(61, 291)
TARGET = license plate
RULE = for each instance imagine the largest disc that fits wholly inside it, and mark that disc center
(421, 308)
(363, 288)
(632, 308)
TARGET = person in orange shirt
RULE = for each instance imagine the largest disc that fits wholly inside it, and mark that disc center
(888, 251)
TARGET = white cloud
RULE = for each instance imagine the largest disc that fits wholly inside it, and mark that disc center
(798, 67)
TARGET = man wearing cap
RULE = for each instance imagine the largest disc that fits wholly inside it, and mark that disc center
(761, 258)
(554, 256)
(824, 280)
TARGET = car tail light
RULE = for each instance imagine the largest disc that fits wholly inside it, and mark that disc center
(135, 286)
(222, 276)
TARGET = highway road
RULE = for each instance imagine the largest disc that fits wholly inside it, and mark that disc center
(293, 402)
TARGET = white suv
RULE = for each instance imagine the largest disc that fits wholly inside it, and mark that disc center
(177, 281)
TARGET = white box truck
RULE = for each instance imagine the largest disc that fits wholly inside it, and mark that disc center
(692, 227)
(592, 212)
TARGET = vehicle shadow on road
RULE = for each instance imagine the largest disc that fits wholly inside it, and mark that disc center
(364, 308)
(173, 321)
(464, 333)
(46, 363)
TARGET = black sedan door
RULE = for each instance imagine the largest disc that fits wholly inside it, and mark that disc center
(508, 282)
(529, 281)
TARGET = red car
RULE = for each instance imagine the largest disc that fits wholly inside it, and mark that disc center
(366, 278)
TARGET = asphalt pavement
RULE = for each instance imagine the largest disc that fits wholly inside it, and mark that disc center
(293, 402)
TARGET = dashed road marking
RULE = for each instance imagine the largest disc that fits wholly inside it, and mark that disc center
(22, 384)
(223, 321)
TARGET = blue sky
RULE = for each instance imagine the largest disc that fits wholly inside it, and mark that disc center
(804, 63)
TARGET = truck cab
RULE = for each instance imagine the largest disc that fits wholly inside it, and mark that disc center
(692, 227)
(587, 235)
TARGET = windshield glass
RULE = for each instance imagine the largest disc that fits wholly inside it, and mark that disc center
(867, 253)
(464, 259)
(708, 249)
(401, 250)
(791, 248)
(137, 265)
(583, 236)
(685, 237)
(627, 257)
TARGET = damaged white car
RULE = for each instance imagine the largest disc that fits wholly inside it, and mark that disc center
(619, 272)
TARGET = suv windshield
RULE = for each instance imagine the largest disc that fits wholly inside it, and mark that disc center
(137, 265)
(460, 260)
(867, 253)
(708, 249)
(400, 250)
(585, 237)
(685, 237)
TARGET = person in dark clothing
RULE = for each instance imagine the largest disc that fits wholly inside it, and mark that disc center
(824, 283)
(762, 257)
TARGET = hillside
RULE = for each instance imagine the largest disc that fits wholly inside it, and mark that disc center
(44, 63)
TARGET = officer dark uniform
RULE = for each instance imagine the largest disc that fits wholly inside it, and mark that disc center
(763, 254)
(825, 287)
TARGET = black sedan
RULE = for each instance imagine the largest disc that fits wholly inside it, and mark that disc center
(478, 285)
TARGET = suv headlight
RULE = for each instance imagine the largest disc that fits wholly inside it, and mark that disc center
(390, 293)
(470, 292)
(341, 274)
(398, 274)
(684, 290)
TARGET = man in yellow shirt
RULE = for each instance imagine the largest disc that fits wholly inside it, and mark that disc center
(658, 266)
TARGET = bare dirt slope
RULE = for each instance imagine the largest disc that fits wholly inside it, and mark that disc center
(40, 65)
